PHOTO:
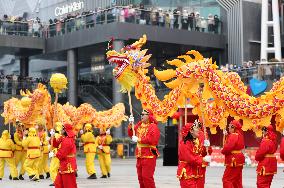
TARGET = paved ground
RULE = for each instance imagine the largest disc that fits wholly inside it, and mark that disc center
(124, 176)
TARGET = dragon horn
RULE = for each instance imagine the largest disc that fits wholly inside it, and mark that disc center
(140, 42)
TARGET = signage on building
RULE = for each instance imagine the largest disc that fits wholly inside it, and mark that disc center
(71, 7)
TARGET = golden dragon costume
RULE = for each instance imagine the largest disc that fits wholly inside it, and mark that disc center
(224, 94)
(36, 107)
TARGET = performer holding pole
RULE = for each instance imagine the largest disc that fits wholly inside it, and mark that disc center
(56, 138)
(282, 147)
(265, 155)
(234, 158)
(190, 161)
(67, 157)
(102, 142)
(20, 152)
(88, 139)
(7, 148)
(147, 138)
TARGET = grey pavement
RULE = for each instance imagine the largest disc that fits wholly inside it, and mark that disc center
(124, 176)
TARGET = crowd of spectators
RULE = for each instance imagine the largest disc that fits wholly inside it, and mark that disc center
(12, 84)
(175, 19)
(12, 25)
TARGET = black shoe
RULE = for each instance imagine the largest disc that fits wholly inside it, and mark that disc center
(76, 174)
(93, 176)
(34, 178)
(31, 177)
(15, 178)
(41, 177)
(0, 178)
(108, 175)
(52, 184)
(10, 177)
(21, 177)
(47, 175)
(104, 176)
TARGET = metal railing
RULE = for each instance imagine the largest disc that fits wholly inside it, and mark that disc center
(135, 16)
(173, 20)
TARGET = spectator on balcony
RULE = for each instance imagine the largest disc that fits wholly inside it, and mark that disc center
(58, 26)
(191, 20)
(198, 21)
(126, 14)
(184, 20)
(204, 24)
(51, 28)
(89, 19)
(143, 14)
(176, 18)
(167, 20)
(154, 16)
(5, 24)
(161, 18)
(36, 28)
(216, 23)
(131, 13)
(78, 21)
(121, 15)
(172, 19)
(210, 23)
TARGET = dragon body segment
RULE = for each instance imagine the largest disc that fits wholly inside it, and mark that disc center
(223, 94)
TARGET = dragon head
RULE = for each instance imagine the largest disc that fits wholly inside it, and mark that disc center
(129, 61)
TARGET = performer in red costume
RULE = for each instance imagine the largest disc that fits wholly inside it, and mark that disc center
(147, 135)
(205, 149)
(234, 158)
(67, 157)
(265, 155)
(190, 161)
(282, 148)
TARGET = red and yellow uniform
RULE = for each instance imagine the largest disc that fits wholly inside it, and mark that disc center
(6, 155)
(146, 151)
(234, 158)
(20, 152)
(190, 160)
(282, 149)
(32, 143)
(203, 152)
(102, 142)
(55, 142)
(265, 155)
(67, 157)
(88, 140)
(43, 166)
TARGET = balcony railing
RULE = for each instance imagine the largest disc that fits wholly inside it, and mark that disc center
(166, 19)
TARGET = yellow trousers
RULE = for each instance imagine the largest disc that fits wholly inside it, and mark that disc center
(12, 167)
(90, 163)
(54, 166)
(31, 166)
(105, 163)
(43, 166)
(20, 157)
